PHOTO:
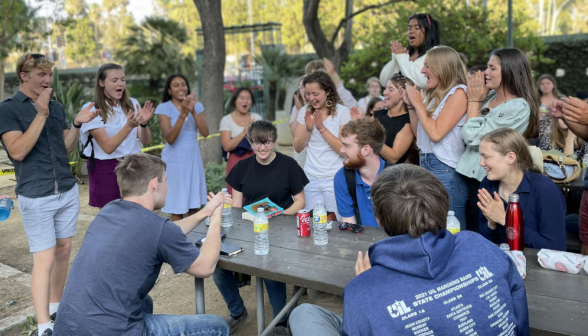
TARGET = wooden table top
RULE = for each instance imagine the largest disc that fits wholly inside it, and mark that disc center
(557, 301)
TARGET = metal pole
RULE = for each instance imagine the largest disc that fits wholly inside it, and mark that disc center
(509, 41)
(199, 290)
(251, 35)
(287, 308)
(260, 312)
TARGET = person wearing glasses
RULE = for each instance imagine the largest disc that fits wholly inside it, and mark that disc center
(267, 174)
(37, 138)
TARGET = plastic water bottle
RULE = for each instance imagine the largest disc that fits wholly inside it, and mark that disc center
(585, 162)
(6, 205)
(319, 222)
(227, 218)
(260, 227)
(452, 223)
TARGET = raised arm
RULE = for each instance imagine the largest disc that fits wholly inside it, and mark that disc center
(109, 145)
(401, 145)
(71, 136)
(333, 141)
(303, 130)
(452, 112)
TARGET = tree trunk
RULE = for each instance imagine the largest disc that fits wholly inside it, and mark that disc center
(271, 104)
(213, 65)
(2, 65)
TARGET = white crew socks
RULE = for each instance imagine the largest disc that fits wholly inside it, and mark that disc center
(45, 326)
(53, 308)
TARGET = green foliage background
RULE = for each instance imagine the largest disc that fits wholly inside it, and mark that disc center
(568, 54)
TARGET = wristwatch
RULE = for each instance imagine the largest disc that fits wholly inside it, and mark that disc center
(144, 125)
(73, 123)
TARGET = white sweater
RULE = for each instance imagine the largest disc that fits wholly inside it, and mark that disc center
(412, 70)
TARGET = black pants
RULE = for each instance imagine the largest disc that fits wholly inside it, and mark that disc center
(472, 210)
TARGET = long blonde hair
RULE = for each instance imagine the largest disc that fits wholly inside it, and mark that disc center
(558, 136)
(446, 64)
(506, 140)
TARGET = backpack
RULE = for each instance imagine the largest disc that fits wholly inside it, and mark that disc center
(351, 187)
(82, 148)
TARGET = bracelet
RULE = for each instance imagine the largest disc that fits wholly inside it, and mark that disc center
(144, 125)
(42, 115)
(75, 126)
(324, 130)
(182, 117)
(475, 101)
(308, 130)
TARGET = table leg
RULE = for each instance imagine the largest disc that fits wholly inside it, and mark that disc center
(260, 312)
(290, 305)
(199, 290)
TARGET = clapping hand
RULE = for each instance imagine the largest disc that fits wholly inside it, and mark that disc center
(187, 105)
(133, 120)
(491, 207)
(356, 113)
(308, 120)
(363, 263)
(397, 48)
(86, 115)
(318, 121)
(145, 113)
(575, 110)
(557, 109)
(477, 90)
(414, 95)
(216, 202)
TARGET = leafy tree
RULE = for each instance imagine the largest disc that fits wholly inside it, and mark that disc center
(154, 48)
(276, 66)
(18, 25)
(472, 30)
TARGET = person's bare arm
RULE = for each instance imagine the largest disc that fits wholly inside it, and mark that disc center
(575, 114)
(452, 112)
(230, 144)
(201, 123)
(299, 202)
(350, 220)
(414, 120)
(476, 94)
(205, 264)
(303, 132)
(170, 133)
(401, 145)
(333, 141)
(237, 199)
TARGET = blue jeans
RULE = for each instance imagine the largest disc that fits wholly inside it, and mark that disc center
(454, 183)
(227, 285)
(185, 325)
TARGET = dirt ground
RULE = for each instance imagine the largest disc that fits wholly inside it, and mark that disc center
(173, 294)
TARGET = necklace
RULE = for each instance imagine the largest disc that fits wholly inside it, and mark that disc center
(247, 118)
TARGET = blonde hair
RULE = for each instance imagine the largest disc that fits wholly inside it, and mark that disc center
(558, 136)
(314, 65)
(506, 140)
(369, 82)
(446, 64)
(29, 62)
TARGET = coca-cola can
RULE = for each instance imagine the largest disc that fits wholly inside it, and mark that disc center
(303, 223)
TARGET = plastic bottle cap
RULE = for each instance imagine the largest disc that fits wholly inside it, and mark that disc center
(514, 198)
(450, 213)
(260, 210)
(504, 247)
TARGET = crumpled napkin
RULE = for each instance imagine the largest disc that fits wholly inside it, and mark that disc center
(562, 261)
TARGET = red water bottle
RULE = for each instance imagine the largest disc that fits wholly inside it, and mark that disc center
(515, 225)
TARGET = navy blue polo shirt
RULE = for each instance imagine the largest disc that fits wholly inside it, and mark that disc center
(45, 170)
(364, 197)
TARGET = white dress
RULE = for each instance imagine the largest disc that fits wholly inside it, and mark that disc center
(186, 181)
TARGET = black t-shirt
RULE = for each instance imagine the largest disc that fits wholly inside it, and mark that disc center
(278, 181)
(393, 125)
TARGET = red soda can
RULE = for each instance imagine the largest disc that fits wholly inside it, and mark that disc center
(515, 226)
(303, 223)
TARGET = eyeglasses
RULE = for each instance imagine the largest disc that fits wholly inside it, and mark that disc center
(267, 144)
(35, 56)
(484, 111)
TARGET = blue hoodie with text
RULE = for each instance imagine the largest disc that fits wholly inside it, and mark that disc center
(436, 285)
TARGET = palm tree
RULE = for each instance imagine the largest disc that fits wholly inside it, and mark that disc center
(154, 49)
(277, 66)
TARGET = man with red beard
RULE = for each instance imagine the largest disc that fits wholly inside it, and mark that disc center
(362, 140)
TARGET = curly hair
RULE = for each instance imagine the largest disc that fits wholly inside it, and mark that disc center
(325, 82)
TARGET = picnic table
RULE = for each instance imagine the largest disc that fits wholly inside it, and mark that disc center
(558, 302)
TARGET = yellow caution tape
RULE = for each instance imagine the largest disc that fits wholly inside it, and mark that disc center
(11, 171)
